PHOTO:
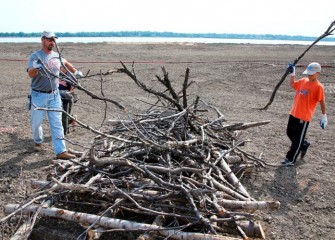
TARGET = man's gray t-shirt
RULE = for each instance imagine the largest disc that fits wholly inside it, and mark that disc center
(44, 81)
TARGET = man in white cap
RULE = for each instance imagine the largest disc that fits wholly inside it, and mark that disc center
(43, 69)
(309, 92)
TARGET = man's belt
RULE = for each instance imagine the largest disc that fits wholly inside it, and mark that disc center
(42, 91)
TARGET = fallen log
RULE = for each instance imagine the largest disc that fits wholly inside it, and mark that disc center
(23, 231)
(112, 222)
(244, 126)
(249, 205)
(233, 179)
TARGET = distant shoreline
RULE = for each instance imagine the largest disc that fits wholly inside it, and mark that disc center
(161, 40)
(149, 34)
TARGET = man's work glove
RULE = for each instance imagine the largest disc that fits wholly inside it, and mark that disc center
(78, 73)
(323, 121)
(291, 69)
(37, 64)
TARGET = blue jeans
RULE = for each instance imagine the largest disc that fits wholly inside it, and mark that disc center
(49, 101)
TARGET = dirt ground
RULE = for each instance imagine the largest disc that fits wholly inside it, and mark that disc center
(236, 78)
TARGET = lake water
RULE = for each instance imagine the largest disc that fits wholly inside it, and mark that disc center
(162, 40)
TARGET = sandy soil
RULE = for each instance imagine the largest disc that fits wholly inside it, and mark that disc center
(237, 78)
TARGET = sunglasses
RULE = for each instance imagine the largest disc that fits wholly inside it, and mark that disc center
(50, 39)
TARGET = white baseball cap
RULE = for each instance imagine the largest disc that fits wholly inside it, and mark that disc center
(312, 68)
(48, 34)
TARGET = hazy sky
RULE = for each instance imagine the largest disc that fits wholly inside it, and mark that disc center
(287, 17)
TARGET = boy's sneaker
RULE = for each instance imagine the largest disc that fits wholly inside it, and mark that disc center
(287, 162)
(304, 148)
(303, 153)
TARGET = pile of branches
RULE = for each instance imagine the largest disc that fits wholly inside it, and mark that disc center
(172, 171)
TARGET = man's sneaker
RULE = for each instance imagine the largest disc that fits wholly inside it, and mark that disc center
(38, 147)
(65, 155)
(287, 162)
(304, 148)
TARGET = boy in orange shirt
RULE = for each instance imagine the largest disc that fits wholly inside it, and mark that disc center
(309, 92)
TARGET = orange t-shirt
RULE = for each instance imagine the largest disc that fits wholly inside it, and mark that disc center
(307, 96)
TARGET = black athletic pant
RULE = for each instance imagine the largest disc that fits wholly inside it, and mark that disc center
(296, 131)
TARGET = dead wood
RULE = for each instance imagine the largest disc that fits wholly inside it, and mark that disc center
(249, 205)
(159, 221)
(178, 160)
(23, 231)
(252, 228)
(111, 222)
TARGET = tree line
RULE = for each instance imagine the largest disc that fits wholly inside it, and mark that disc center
(168, 34)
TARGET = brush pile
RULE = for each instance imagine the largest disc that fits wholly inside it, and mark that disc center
(172, 171)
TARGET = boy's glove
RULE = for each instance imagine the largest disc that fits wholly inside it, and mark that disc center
(78, 73)
(291, 69)
(323, 121)
(37, 64)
